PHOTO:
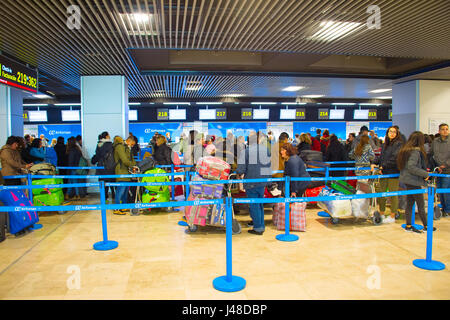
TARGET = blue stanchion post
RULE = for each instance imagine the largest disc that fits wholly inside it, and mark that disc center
(173, 179)
(413, 219)
(181, 222)
(105, 244)
(229, 283)
(428, 263)
(36, 226)
(287, 237)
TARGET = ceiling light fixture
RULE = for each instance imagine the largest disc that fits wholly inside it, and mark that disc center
(233, 95)
(380, 90)
(209, 103)
(261, 103)
(343, 103)
(313, 96)
(332, 30)
(177, 103)
(293, 103)
(67, 104)
(384, 97)
(293, 88)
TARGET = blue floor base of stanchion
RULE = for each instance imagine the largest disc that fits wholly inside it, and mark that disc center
(37, 226)
(429, 265)
(287, 237)
(106, 245)
(182, 223)
(236, 284)
(417, 226)
(323, 214)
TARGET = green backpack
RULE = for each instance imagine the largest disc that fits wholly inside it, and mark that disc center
(156, 189)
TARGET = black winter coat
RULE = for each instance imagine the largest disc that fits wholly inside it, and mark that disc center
(388, 157)
(296, 168)
(303, 146)
(336, 152)
(102, 149)
(163, 155)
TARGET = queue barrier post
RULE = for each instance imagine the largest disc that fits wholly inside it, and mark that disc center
(428, 263)
(182, 222)
(287, 237)
(229, 283)
(413, 219)
(105, 244)
(36, 226)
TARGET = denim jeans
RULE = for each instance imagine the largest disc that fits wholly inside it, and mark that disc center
(121, 194)
(444, 183)
(257, 209)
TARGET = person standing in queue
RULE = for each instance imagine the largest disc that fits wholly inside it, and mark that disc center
(103, 154)
(412, 164)
(252, 166)
(441, 156)
(124, 160)
(388, 165)
(294, 167)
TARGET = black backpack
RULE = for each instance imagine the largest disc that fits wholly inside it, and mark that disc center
(108, 161)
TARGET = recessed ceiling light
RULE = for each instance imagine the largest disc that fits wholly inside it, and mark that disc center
(193, 88)
(384, 97)
(257, 103)
(343, 103)
(41, 96)
(380, 90)
(233, 95)
(313, 96)
(293, 88)
(175, 103)
(331, 30)
(209, 103)
(139, 24)
(293, 103)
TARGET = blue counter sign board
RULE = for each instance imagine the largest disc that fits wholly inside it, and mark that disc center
(53, 131)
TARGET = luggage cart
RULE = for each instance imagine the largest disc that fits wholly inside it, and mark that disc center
(432, 182)
(368, 186)
(236, 226)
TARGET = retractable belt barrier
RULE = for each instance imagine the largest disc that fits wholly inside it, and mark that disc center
(229, 282)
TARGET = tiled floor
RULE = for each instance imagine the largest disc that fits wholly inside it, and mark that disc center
(156, 259)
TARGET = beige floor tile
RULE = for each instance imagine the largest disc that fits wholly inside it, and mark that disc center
(156, 259)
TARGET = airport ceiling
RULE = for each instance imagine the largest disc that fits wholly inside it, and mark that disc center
(213, 48)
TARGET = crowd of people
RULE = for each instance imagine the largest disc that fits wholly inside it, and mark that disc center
(259, 155)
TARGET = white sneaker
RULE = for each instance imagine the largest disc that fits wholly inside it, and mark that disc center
(389, 219)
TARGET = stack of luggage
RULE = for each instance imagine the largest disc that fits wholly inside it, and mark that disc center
(208, 168)
(156, 193)
(46, 196)
(19, 221)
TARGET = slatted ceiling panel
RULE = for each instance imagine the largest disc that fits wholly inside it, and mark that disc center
(410, 28)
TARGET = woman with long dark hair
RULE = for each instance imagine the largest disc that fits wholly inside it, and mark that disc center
(388, 165)
(412, 163)
(363, 155)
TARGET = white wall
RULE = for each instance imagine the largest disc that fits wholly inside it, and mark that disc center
(434, 102)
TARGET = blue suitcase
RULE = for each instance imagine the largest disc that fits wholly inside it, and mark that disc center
(18, 220)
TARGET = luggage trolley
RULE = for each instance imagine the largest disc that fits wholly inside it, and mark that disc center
(370, 212)
(371, 186)
(432, 182)
(236, 227)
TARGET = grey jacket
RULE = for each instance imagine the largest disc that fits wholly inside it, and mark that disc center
(255, 167)
(441, 153)
(414, 173)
